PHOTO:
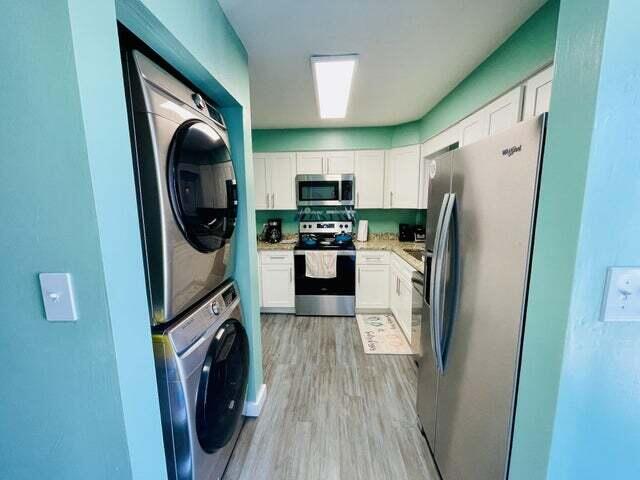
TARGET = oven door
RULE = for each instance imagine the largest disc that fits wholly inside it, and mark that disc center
(324, 190)
(326, 296)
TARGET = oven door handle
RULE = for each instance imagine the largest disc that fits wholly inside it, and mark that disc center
(340, 253)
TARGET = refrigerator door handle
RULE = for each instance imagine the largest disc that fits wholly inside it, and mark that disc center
(435, 284)
(451, 217)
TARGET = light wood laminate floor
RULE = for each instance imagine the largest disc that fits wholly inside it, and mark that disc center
(332, 412)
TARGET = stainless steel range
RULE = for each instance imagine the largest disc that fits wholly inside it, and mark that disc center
(326, 296)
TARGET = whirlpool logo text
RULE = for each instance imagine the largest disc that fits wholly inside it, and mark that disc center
(507, 152)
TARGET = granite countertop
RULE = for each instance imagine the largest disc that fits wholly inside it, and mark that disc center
(381, 242)
(395, 246)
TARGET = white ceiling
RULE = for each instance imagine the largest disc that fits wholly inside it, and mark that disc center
(412, 52)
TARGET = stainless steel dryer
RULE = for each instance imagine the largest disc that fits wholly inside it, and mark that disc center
(186, 188)
(202, 365)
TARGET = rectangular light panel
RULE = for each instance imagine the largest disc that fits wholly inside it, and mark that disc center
(333, 76)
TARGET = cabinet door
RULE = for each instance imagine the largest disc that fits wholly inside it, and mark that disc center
(372, 287)
(474, 128)
(394, 299)
(423, 190)
(281, 170)
(405, 177)
(310, 163)
(369, 172)
(260, 181)
(443, 140)
(505, 112)
(537, 93)
(277, 286)
(340, 162)
(404, 307)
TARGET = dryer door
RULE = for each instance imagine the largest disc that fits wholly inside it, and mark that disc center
(202, 186)
(222, 387)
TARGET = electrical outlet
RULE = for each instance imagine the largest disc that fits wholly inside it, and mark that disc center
(622, 295)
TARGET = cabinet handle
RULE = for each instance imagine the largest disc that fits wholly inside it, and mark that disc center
(358, 199)
(290, 275)
(277, 257)
(273, 201)
(358, 276)
(391, 199)
(267, 195)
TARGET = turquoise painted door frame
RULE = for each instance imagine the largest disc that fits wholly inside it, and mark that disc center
(79, 399)
(579, 390)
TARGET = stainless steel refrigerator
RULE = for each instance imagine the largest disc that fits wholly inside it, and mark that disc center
(480, 223)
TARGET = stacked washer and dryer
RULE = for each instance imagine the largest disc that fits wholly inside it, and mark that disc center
(188, 204)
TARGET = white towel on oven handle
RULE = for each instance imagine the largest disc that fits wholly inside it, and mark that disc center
(320, 264)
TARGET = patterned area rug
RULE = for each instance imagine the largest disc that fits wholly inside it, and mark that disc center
(381, 334)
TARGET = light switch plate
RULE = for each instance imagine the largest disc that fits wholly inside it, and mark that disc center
(622, 295)
(57, 296)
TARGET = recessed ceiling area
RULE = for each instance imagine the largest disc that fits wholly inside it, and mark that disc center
(411, 53)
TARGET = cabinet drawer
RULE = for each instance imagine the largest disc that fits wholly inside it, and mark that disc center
(373, 258)
(276, 257)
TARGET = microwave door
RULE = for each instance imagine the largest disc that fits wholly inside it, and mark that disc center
(324, 190)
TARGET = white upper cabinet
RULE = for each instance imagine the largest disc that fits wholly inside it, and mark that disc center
(403, 177)
(505, 112)
(473, 128)
(282, 169)
(369, 174)
(537, 93)
(441, 141)
(274, 177)
(310, 163)
(338, 162)
(499, 115)
(260, 179)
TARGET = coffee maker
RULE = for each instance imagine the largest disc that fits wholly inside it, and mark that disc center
(272, 231)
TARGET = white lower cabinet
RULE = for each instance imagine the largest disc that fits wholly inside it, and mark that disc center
(400, 291)
(372, 281)
(277, 285)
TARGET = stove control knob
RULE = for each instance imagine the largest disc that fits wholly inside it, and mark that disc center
(215, 308)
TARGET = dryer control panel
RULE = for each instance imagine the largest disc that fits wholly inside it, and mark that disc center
(209, 312)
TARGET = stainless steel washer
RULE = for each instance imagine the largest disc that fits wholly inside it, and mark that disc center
(202, 366)
(186, 188)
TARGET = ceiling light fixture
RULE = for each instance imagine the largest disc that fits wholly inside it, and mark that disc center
(332, 75)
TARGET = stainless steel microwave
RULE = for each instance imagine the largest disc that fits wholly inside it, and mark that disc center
(325, 190)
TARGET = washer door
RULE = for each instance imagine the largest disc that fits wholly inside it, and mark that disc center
(202, 186)
(223, 385)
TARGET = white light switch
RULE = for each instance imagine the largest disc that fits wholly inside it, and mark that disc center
(57, 295)
(622, 295)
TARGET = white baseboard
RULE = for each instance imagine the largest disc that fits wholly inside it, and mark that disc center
(253, 409)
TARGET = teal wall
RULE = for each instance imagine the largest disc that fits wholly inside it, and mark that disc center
(597, 426)
(297, 139)
(529, 49)
(554, 275)
(380, 220)
(60, 405)
(79, 399)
